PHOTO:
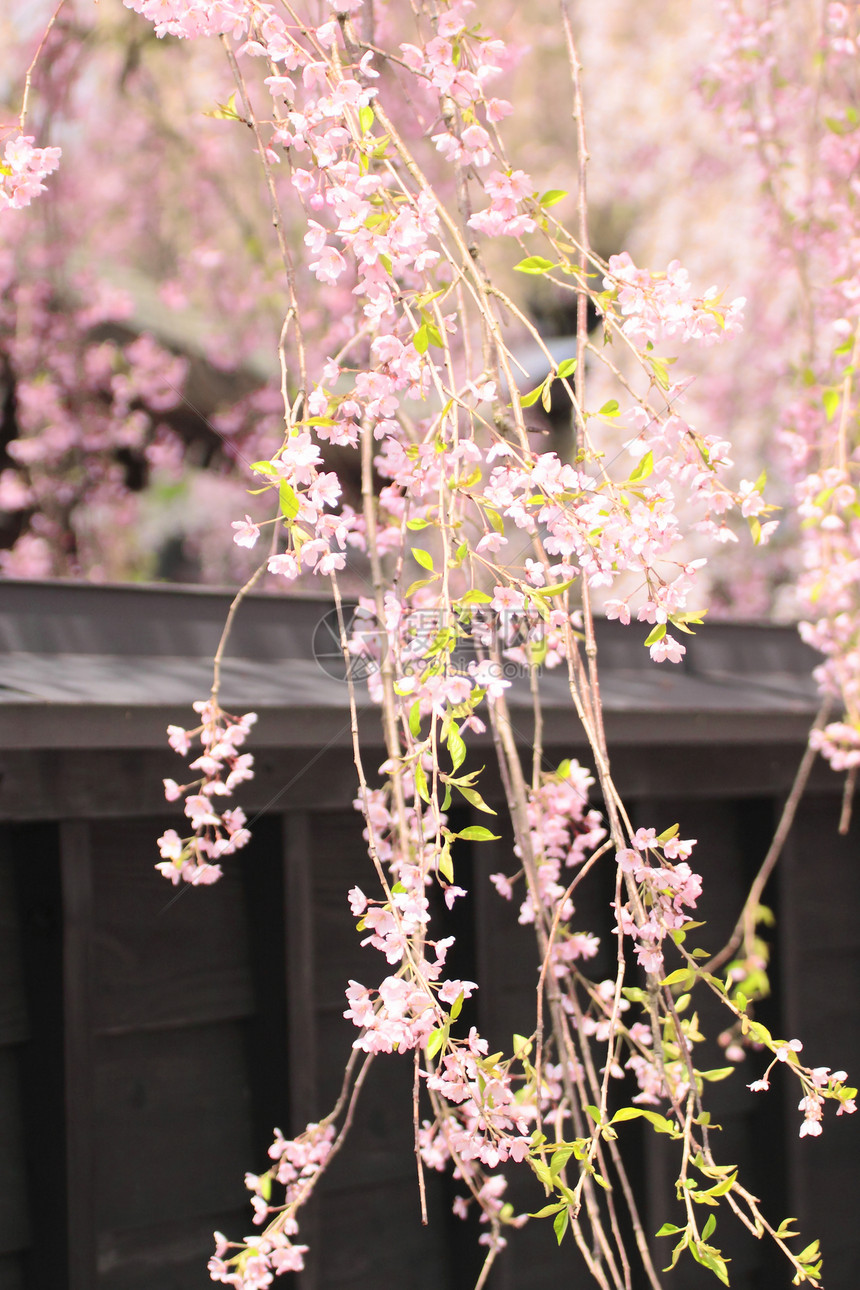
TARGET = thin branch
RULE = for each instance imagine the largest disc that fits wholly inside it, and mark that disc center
(745, 926)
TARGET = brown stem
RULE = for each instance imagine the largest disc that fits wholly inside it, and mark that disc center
(745, 926)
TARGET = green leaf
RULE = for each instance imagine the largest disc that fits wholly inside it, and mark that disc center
(711, 1259)
(288, 501)
(784, 1232)
(559, 1224)
(830, 399)
(671, 832)
(420, 582)
(435, 1040)
(684, 977)
(661, 1124)
(457, 749)
(656, 635)
(546, 396)
(669, 1229)
(475, 597)
(644, 469)
(445, 864)
(415, 719)
(421, 339)
(527, 400)
(723, 1188)
(722, 1072)
(423, 558)
(264, 467)
(421, 783)
(708, 1229)
(635, 994)
(534, 264)
(552, 196)
(555, 590)
(610, 409)
(538, 651)
(366, 118)
(566, 368)
(476, 800)
(225, 111)
(676, 1253)
(477, 833)
(415, 525)
(549, 1209)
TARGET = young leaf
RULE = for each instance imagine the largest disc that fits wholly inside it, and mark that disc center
(477, 833)
(644, 469)
(434, 1042)
(656, 635)
(566, 368)
(421, 783)
(288, 500)
(559, 1224)
(552, 196)
(830, 399)
(528, 400)
(423, 558)
(421, 339)
(445, 864)
(549, 1209)
(534, 264)
(475, 798)
(457, 749)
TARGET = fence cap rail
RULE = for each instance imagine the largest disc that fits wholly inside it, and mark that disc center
(109, 666)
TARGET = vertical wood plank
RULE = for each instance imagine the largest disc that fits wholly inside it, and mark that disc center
(77, 889)
(301, 1006)
(301, 993)
(819, 916)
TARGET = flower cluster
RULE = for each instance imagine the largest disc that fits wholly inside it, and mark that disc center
(662, 306)
(755, 81)
(22, 171)
(666, 890)
(298, 1165)
(819, 1083)
(222, 767)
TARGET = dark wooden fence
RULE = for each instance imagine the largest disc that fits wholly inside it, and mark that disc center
(150, 1039)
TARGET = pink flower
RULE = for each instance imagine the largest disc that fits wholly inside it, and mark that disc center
(667, 648)
(171, 845)
(329, 266)
(246, 533)
(25, 167)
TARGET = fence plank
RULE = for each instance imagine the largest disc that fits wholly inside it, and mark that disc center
(76, 878)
